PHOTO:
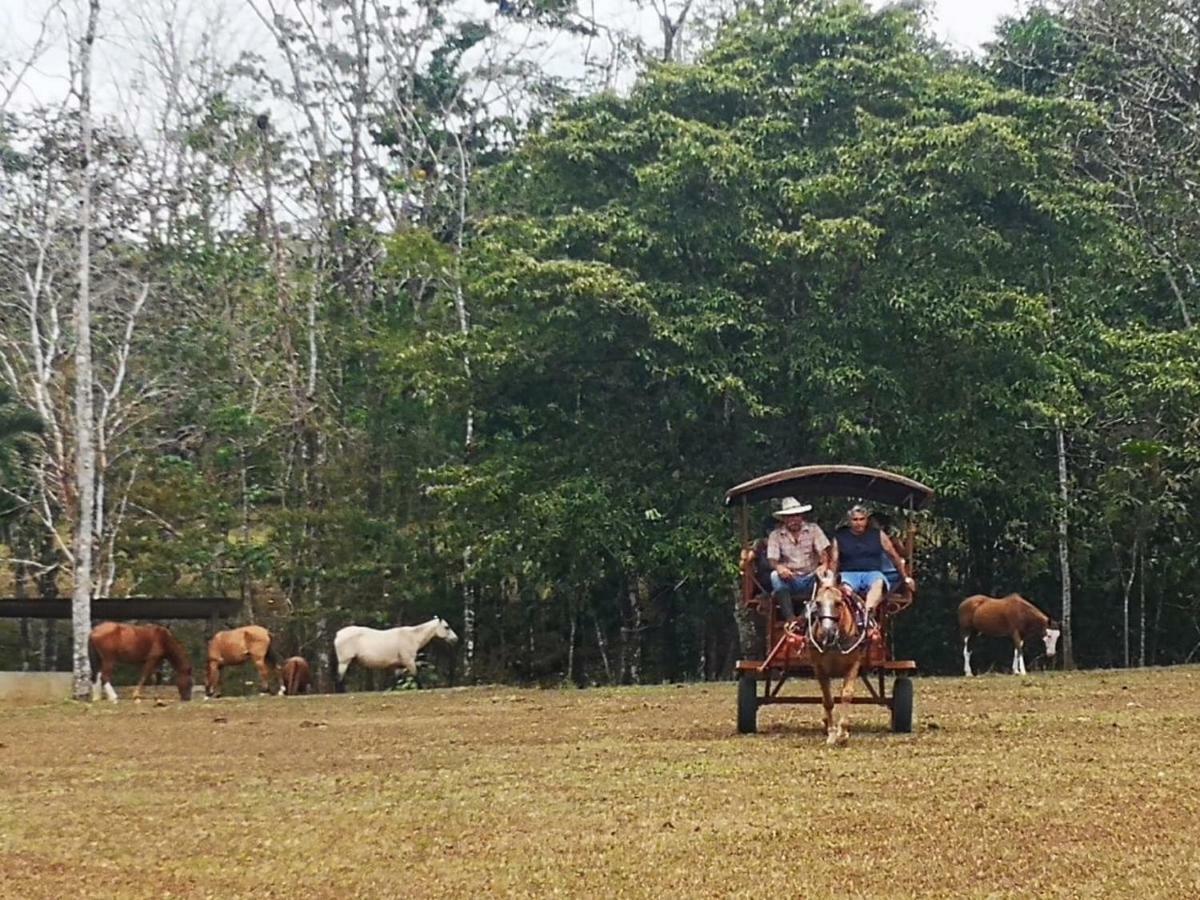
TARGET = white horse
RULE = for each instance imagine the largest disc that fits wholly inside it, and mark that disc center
(392, 648)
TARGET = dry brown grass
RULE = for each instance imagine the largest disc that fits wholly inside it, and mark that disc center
(1050, 785)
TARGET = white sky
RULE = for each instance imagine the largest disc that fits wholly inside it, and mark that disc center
(964, 24)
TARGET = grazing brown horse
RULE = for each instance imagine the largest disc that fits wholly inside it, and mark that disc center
(837, 649)
(112, 642)
(294, 676)
(1012, 616)
(234, 647)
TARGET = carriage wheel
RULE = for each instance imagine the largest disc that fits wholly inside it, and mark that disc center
(902, 706)
(747, 705)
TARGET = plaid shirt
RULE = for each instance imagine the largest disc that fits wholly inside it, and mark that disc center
(800, 553)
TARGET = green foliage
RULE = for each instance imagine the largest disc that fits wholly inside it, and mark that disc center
(825, 241)
(819, 244)
(17, 426)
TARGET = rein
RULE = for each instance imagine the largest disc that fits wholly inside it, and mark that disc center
(814, 617)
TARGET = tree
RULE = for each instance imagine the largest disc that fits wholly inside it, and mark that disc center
(85, 451)
(16, 424)
(1137, 62)
(818, 223)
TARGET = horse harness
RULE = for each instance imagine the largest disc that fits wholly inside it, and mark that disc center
(814, 616)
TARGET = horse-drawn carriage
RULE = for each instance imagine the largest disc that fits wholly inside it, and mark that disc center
(789, 652)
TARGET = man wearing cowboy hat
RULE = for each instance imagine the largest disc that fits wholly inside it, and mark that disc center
(795, 549)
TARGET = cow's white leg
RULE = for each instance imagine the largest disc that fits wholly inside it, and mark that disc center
(967, 658)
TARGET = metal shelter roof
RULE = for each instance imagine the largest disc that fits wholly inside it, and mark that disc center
(123, 608)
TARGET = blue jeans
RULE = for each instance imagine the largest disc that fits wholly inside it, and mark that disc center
(860, 582)
(894, 581)
(800, 584)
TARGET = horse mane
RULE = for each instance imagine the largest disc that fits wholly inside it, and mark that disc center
(174, 650)
(1045, 620)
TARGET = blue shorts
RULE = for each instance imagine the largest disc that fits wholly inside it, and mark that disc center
(800, 585)
(860, 582)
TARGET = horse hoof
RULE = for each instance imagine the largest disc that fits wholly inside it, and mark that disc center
(843, 737)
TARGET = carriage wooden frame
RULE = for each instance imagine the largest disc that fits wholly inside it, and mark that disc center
(782, 658)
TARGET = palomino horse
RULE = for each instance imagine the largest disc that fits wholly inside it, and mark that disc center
(394, 648)
(234, 647)
(111, 642)
(294, 676)
(1012, 616)
(837, 648)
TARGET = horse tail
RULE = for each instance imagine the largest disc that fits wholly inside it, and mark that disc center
(94, 658)
(271, 656)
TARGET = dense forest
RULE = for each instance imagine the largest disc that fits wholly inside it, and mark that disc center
(385, 320)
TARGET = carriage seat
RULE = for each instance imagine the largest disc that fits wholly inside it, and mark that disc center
(756, 584)
(756, 577)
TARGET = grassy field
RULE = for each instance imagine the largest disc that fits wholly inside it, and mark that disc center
(1070, 785)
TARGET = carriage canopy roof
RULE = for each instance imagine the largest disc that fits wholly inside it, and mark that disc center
(834, 481)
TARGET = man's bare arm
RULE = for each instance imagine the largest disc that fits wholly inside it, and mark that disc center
(890, 549)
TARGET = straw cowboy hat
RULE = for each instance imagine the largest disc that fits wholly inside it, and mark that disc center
(791, 507)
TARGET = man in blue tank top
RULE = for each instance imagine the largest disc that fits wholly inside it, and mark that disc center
(858, 553)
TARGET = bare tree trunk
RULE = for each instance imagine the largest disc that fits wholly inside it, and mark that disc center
(623, 656)
(1158, 610)
(603, 645)
(571, 642)
(49, 654)
(468, 618)
(1142, 613)
(85, 448)
(243, 572)
(20, 574)
(48, 590)
(1064, 551)
(25, 637)
(1125, 598)
(670, 26)
(530, 641)
(631, 634)
(460, 302)
(1179, 297)
(324, 661)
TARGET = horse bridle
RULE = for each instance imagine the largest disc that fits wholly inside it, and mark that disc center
(815, 617)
